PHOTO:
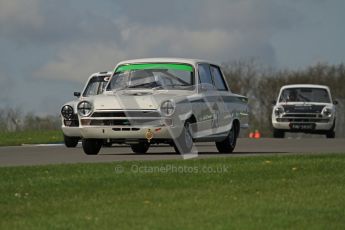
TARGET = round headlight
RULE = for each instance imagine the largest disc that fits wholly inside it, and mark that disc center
(67, 111)
(327, 112)
(84, 108)
(167, 108)
(278, 111)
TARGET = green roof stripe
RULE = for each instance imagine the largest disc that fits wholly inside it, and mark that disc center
(183, 67)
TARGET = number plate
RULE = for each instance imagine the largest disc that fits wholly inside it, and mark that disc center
(302, 126)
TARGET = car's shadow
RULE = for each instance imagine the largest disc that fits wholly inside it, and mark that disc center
(199, 153)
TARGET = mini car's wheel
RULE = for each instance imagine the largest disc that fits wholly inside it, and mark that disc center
(228, 145)
(92, 146)
(277, 133)
(184, 143)
(140, 148)
(70, 142)
(331, 133)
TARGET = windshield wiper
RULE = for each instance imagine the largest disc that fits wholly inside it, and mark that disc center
(158, 87)
(149, 85)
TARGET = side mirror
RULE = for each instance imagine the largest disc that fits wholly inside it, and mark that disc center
(77, 94)
(335, 102)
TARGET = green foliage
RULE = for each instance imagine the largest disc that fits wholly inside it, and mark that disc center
(266, 192)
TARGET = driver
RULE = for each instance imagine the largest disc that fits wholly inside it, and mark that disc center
(141, 77)
(292, 95)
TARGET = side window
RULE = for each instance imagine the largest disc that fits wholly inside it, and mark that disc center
(204, 74)
(218, 78)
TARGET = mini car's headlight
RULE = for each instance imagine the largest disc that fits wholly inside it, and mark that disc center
(327, 112)
(167, 107)
(84, 108)
(67, 111)
(278, 111)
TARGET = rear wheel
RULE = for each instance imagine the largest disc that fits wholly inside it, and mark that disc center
(70, 142)
(184, 143)
(140, 148)
(277, 133)
(228, 145)
(92, 146)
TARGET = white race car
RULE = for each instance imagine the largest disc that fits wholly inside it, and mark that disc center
(304, 108)
(163, 100)
(70, 124)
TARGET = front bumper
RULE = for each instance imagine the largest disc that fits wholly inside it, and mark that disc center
(71, 131)
(317, 126)
(130, 133)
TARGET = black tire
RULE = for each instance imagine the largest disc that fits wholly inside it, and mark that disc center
(184, 143)
(92, 146)
(140, 148)
(70, 142)
(228, 145)
(277, 133)
(330, 134)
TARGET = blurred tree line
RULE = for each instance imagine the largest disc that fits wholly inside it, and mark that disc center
(14, 120)
(261, 85)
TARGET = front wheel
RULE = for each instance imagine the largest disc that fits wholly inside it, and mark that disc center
(140, 148)
(70, 142)
(331, 133)
(184, 143)
(92, 146)
(228, 145)
(277, 133)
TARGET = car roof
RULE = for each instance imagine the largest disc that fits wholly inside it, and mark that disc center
(165, 60)
(101, 73)
(305, 86)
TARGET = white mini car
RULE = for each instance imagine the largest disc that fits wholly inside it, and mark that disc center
(163, 100)
(304, 108)
(70, 124)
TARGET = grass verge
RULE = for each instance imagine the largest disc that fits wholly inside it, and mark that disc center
(30, 137)
(267, 192)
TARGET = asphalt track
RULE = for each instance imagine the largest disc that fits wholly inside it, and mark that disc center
(59, 154)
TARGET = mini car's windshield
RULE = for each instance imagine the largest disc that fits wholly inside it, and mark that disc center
(153, 76)
(304, 95)
(96, 86)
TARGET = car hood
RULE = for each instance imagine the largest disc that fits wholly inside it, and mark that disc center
(136, 99)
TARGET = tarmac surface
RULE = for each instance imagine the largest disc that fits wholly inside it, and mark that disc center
(59, 154)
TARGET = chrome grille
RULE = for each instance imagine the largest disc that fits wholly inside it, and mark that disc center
(303, 108)
(143, 114)
(307, 118)
(125, 118)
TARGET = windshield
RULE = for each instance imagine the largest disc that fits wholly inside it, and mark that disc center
(304, 95)
(153, 76)
(96, 86)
